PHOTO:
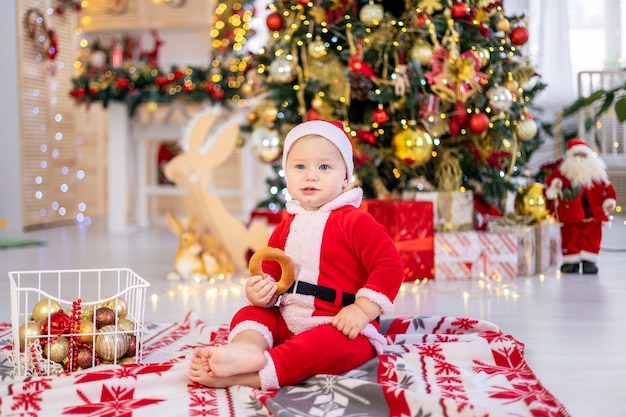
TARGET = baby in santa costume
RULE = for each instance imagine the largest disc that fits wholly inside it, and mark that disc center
(583, 196)
(348, 272)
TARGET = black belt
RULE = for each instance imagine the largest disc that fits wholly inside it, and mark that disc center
(321, 292)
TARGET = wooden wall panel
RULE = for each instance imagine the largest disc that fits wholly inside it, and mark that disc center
(53, 153)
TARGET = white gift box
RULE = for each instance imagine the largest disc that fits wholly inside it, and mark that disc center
(548, 237)
(453, 210)
(474, 254)
(526, 245)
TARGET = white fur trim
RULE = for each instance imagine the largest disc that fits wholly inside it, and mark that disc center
(588, 256)
(376, 297)
(609, 202)
(377, 340)
(254, 326)
(554, 189)
(571, 259)
(267, 375)
(333, 133)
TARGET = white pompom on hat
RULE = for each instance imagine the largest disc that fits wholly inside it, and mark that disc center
(328, 129)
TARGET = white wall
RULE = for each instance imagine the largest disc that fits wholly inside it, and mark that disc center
(10, 158)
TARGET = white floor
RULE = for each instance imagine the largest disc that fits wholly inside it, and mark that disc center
(573, 327)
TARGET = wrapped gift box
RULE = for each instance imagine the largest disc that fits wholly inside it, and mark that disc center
(453, 210)
(269, 217)
(410, 225)
(526, 244)
(548, 249)
(474, 254)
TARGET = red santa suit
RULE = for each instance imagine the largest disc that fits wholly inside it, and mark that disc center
(583, 195)
(338, 247)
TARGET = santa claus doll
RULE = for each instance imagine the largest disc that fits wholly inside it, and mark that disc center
(583, 196)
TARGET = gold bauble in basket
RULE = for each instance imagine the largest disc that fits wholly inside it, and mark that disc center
(117, 304)
(111, 345)
(28, 333)
(58, 349)
(86, 330)
(126, 325)
(43, 308)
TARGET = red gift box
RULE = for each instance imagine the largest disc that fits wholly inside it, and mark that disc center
(411, 227)
(267, 216)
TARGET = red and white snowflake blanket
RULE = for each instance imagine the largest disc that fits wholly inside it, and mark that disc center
(433, 366)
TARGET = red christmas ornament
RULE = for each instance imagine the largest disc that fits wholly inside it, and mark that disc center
(275, 21)
(161, 81)
(478, 123)
(519, 36)
(218, 93)
(422, 19)
(380, 116)
(458, 118)
(312, 114)
(56, 323)
(366, 136)
(459, 10)
(122, 83)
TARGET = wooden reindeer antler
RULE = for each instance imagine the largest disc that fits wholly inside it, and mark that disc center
(191, 171)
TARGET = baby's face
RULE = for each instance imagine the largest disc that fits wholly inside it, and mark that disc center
(315, 171)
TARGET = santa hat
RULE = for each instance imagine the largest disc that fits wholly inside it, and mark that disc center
(578, 145)
(328, 129)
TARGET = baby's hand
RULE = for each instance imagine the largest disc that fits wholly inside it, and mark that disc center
(260, 291)
(350, 321)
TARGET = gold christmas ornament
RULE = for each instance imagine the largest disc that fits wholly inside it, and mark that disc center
(503, 24)
(85, 331)
(422, 52)
(317, 49)
(526, 129)
(117, 304)
(28, 333)
(268, 112)
(43, 308)
(484, 56)
(371, 14)
(265, 144)
(282, 70)
(126, 325)
(58, 349)
(531, 201)
(111, 344)
(500, 98)
(412, 146)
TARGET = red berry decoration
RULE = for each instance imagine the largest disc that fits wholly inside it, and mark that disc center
(275, 21)
(422, 19)
(519, 36)
(478, 123)
(459, 10)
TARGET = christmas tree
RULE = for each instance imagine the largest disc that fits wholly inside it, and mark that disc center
(436, 94)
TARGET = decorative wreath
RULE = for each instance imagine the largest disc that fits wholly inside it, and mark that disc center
(44, 40)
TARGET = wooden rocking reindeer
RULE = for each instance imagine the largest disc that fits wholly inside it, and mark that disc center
(191, 171)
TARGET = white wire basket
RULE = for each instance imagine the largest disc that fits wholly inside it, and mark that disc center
(67, 320)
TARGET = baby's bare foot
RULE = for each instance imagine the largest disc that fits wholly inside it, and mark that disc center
(235, 359)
